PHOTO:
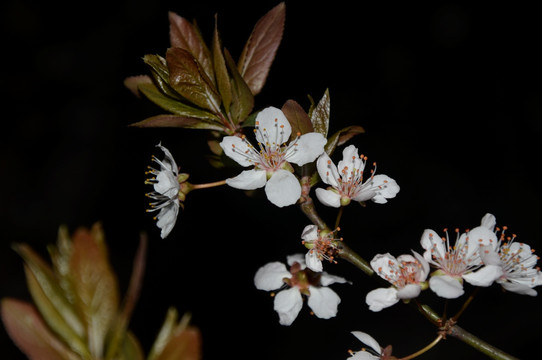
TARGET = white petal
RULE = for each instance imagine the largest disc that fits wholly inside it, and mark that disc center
(248, 180)
(410, 291)
(489, 221)
(328, 197)
(308, 147)
(363, 355)
(167, 184)
(386, 188)
(269, 277)
(367, 340)
(310, 233)
(433, 244)
(167, 218)
(381, 298)
(323, 301)
(446, 286)
(490, 256)
(313, 261)
(385, 266)
(484, 276)
(327, 170)
(272, 127)
(481, 235)
(236, 148)
(350, 159)
(296, 258)
(424, 271)
(287, 304)
(519, 288)
(283, 188)
(168, 160)
(328, 279)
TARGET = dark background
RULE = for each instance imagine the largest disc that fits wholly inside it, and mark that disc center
(449, 95)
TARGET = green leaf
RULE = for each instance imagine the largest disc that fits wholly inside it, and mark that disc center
(131, 349)
(132, 83)
(297, 117)
(95, 285)
(242, 97)
(184, 35)
(341, 137)
(221, 71)
(176, 121)
(48, 296)
(160, 75)
(320, 115)
(261, 47)
(188, 79)
(28, 331)
(173, 105)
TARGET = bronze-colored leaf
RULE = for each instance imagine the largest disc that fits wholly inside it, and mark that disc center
(28, 331)
(176, 121)
(183, 345)
(297, 117)
(320, 115)
(173, 105)
(261, 47)
(341, 137)
(95, 285)
(160, 75)
(221, 71)
(132, 82)
(242, 97)
(184, 35)
(187, 77)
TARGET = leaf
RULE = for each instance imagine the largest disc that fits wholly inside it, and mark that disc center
(160, 75)
(176, 121)
(132, 83)
(30, 334)
(261, 47)
(184, 35)
(131, 349)
(297, 117)
(341, 137)
(242, 97)
(173, 105)
(95, 285)
(320, 115)
(183, 345)
(48, 295)
(221, 71)
(188, 78)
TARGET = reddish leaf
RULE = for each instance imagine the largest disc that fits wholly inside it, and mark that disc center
(167, 120)
(297, 117)
(30, 334)
(132, 83)
(221, 71)
(184, 35)
(188, 78)
(320, 115)
(242, 98)
(261, 47)
(183, 345)
(341, 137)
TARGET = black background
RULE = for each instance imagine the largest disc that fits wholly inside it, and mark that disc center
(449, 95)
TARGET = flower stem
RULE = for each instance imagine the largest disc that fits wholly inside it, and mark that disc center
(208, 185)
(356, 260)
(466, 304)
(479, 344)
(428, 347)
(339, 215)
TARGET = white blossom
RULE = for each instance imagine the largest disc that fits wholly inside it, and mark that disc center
(272, 157)
(165, 197)
(293, 283)
(375, 351)
(347, 181)
(322, 245)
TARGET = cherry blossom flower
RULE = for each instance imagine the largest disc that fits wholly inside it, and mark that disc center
(272, 158)
(407, 274)
(165, 197)
(346, 181)
(461, 261)
(517, 261)
(322, 245)
(294, 283)
(374, 353)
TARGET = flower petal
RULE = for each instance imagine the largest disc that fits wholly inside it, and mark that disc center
(313, 261)
(310, 233)
(283, 188)
(385, 266)
(489, 221)
(306, 149)
(167, 217)
(446, 286)
(327, 170)
(328, 279)
(167, 184)
(272, 127)
(323, 301)
(296, 258)
(248, 180)
(328, 197)
(367, 340)
(237, 149)
(409, 291)
(381, 298)
(269, 277)
(168, 162)
(385, 188)
(433, 245)
(287, 304)
(518, 288)
(351, 159)
(484, 276)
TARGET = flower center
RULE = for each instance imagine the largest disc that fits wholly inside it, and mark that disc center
(455, 260)
(325, 246)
